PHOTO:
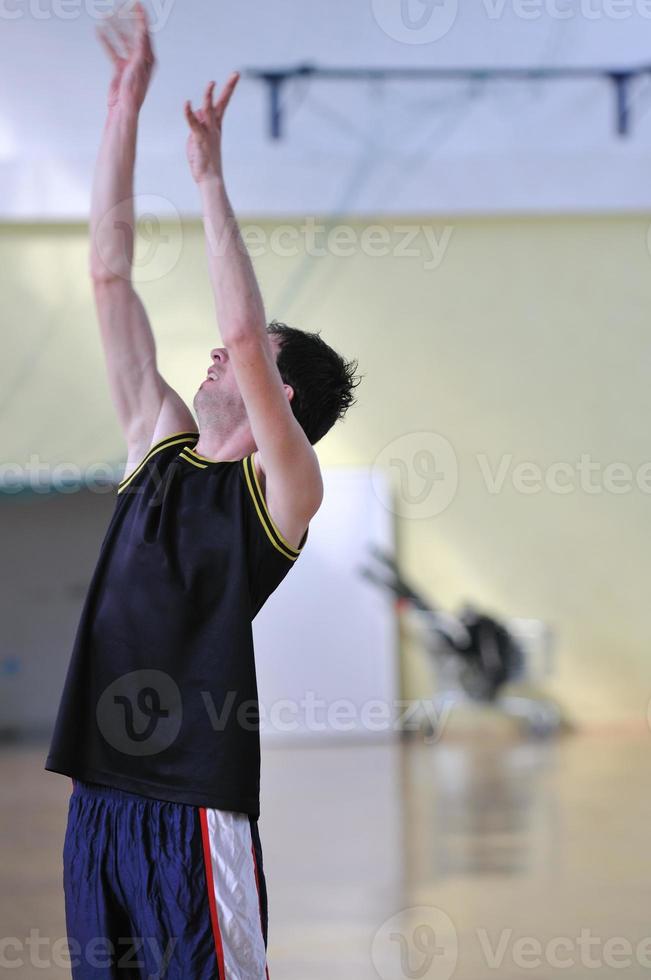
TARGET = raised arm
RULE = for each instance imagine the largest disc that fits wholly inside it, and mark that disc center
(148, 408)
(293, 487)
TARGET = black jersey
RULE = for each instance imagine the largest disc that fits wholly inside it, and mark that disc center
(160, 696)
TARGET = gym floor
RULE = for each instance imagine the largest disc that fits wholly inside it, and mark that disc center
(473, 857)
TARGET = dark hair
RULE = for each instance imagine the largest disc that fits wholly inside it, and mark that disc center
(323, 381)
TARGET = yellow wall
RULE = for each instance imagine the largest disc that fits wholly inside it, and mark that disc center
(532, 338)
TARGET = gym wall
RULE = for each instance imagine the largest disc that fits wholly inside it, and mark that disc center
(521, 340)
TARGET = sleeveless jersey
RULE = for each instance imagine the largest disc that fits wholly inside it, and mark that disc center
(160, 697)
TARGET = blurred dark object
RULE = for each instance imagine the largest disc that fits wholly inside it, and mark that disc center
(475, 656)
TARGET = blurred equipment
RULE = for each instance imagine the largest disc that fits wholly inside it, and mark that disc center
(475, 657)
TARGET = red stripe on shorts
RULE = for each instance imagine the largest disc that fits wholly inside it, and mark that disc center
(207, 857)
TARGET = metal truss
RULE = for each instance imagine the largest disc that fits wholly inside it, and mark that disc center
(620, 80)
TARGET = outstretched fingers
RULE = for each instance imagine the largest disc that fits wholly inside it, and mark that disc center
(193, 121)
(221, 104)
(207, 108)
(211, 113)
(124, 35)
(143, 36)
(108, 47)
(142, 20)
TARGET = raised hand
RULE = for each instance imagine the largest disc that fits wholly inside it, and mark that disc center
(133, 65)
(204, 146)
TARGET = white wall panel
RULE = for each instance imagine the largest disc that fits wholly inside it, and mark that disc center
(326, 642)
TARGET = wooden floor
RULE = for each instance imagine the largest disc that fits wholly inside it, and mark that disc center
(477, 858)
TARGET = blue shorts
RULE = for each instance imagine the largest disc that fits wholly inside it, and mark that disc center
(162, 890)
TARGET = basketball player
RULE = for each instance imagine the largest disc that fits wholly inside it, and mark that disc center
(159, 722)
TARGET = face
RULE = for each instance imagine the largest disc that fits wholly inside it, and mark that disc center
(218, 395)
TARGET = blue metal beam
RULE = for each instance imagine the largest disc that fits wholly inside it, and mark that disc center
(620, 78)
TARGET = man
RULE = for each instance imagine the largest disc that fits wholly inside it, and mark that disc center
(158, 723)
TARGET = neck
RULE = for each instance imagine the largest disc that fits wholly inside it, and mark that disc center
(219, 445)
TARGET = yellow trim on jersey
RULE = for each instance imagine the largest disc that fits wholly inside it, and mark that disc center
(171, 440)
(269, 517)
(272, 532)
(206, 459)
(201, 466)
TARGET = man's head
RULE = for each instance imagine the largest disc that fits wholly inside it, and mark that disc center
(319, 382)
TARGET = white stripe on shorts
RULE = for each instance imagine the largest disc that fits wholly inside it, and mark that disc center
(236, 894)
